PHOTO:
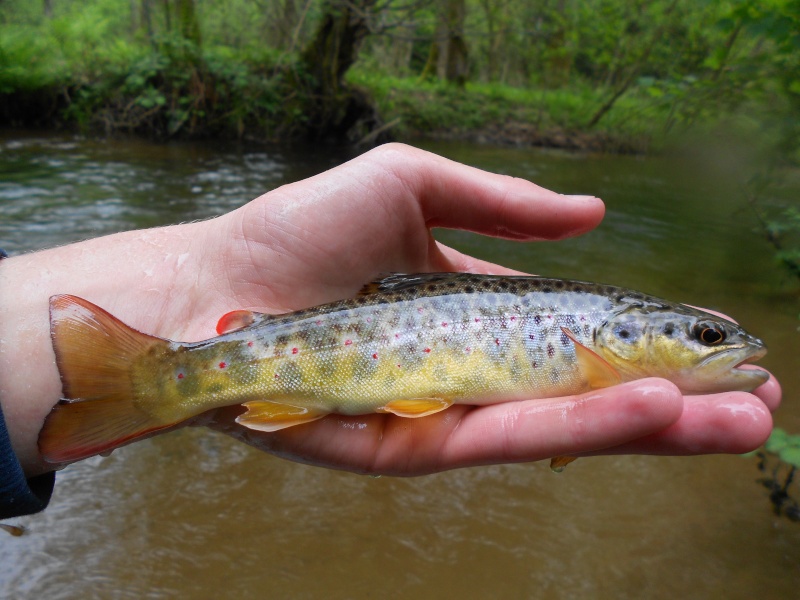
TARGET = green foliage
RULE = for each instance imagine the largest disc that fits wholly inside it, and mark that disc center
(779, 460)
(785, 446)
(643, 69)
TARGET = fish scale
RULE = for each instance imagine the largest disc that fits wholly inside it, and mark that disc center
(409, 345)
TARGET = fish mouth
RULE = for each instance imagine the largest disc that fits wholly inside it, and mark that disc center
(731, 368)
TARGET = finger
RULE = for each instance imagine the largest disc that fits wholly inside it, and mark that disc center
(457, 196)
(532, 430)
(769, 393)
(731, 422)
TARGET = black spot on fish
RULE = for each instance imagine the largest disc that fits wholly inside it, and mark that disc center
(559, 285)
(669, 329)
(551, 351)
(564, 339)
(537, 319)
(469, 289)
(547, 289)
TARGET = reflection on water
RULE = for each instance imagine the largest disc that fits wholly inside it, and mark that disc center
(194, 514)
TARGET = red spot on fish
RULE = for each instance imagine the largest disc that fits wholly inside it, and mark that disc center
(583, 318)
(369, 319)
(398, 366)
(295, 350)
(549, 316)
(276, 375)
(427, 350)
(348, 342)
(180, 375)
(444, 324)
(467, 349)
(250, 344)
(497, 341)
(397, 336)
(477, 320)
(535, 365)
(223, 364)
(530, 336)
(375, 356)
(513, 318)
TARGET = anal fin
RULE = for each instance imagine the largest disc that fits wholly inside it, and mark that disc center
(267, 415)
(414, 408)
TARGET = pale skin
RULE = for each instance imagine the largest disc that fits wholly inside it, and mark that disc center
(320, 240)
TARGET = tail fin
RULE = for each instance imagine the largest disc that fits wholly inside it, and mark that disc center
(94, 352)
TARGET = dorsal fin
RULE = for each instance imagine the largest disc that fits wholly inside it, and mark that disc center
(239, 319)
(395, 282)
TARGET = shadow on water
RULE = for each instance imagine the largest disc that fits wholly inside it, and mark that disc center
(194, 514)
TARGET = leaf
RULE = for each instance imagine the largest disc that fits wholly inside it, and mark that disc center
(777, 441)
(791, 455)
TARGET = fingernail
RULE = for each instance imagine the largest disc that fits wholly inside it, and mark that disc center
(578, 198)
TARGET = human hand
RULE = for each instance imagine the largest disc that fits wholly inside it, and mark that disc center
(321, 239)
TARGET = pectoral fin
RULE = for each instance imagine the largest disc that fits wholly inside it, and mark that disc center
(594, 367)
(265, 415)
(415, 407)
(239, 319)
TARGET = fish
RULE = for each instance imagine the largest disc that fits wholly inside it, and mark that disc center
(410, 345)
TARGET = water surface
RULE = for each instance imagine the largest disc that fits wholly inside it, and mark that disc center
(194, 514)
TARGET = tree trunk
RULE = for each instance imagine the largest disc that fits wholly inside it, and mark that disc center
(337, 109)
(187, 21)
(455, 48)
(283, 24)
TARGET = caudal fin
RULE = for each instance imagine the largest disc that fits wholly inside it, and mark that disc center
(94, 353)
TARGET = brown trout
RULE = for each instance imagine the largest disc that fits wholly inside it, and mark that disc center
(410, 345)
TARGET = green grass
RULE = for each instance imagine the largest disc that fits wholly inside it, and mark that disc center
(435, 107)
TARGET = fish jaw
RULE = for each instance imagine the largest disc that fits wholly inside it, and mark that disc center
(725, 370)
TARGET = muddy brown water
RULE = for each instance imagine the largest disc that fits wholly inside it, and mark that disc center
(193, 514)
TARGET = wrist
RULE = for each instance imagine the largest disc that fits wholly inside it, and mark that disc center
(142, 277)
(29, 381)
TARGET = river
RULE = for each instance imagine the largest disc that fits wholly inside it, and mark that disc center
(194, 514)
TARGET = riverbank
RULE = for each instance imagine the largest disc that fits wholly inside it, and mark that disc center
(210, 105)
(163, 96)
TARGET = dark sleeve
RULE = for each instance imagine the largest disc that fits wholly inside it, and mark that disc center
(20, 496)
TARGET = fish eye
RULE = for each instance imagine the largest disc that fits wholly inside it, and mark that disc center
(709, 333)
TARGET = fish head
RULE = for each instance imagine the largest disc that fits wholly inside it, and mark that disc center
(698, 351)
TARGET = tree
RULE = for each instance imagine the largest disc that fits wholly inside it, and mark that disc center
(336, 110)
